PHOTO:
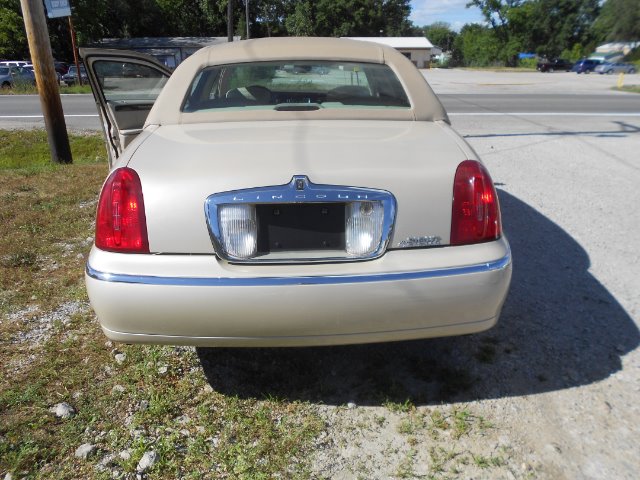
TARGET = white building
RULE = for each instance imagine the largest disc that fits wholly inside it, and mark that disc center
(416, 49)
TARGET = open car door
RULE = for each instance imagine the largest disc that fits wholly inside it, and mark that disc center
(125, 85)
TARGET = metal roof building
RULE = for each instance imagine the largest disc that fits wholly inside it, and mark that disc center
(417, 49)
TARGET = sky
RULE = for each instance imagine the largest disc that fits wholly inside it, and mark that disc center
(426, 12)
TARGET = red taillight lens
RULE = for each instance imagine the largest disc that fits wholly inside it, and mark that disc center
(475, 216)
(121, 225)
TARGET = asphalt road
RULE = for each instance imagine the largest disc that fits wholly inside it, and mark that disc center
(23, 111)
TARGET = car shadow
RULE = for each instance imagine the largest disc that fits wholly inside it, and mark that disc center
(560, 328)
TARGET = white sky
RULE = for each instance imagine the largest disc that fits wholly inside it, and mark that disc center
(425, 12)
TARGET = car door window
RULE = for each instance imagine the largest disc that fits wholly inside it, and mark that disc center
(129, 81)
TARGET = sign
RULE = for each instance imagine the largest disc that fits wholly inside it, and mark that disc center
(58, 8)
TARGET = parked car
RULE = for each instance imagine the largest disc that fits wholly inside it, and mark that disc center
(22, 75)
(71, 77)
(13, 63)
(61, 67)
(555, 65)
(587, 65)
(6, 79)
(608, 67)
(248, 206)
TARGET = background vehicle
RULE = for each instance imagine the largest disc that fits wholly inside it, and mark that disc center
(61, 67)
(71, 77)
(587, 65)
(555, 65)
(13, 63)
(609, 68)
(6, 79)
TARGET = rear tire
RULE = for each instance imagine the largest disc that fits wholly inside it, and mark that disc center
(6, 86)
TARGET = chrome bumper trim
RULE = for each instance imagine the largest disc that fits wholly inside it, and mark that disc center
(495, 265)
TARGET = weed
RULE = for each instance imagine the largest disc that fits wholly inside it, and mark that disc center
(397, 407)
(411, 424)
(405, 469)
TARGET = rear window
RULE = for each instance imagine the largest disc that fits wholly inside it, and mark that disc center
(299, 85)
(4, 70)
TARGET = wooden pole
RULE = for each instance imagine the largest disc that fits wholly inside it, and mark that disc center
(75, 50)
(246, 12)
(35, 24)
(230, 21)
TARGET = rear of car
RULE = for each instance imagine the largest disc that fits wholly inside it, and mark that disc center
(293, 192)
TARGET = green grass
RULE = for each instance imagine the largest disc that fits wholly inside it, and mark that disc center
(28, 150)
(629, 88)
(28, 89)
(47, 212)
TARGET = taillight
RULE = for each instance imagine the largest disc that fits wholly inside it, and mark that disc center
(475, 216)
(121, 225)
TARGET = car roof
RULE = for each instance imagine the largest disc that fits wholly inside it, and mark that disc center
(167, 109)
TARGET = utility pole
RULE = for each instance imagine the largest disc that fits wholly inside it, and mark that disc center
(230, 21)
(75, 50)
(246, 13)
(38, 36)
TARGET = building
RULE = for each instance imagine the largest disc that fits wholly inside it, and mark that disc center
(169, 50)
(417, 49)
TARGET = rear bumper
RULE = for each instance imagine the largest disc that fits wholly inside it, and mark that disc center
(198, 300)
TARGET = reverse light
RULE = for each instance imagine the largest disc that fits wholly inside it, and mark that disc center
(121, 225)
(475, 215)
(364, 223)
(239, 230)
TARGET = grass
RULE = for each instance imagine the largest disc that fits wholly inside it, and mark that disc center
(629, 88)
(53, 351)
(28, 89)
(27, 150)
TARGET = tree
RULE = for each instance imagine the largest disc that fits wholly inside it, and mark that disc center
(476, 46)
(300, 23)
(543, 26)
(441, 35)
(13, 40)
(619, 20)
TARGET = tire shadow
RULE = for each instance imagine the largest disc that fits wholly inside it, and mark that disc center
(560, 328)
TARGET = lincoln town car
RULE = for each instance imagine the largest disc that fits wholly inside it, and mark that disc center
(288, 192)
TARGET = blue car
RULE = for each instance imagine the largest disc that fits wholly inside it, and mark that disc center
(587, 65)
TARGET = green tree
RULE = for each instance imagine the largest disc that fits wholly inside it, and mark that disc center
(13, 40)
(476, 46)
(619, 20)
(441, 35)
(300, 23)
(544, 26)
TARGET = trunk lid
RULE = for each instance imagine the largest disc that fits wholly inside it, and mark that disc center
(180, 166)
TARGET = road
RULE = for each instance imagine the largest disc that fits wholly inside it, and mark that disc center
(23, 111)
